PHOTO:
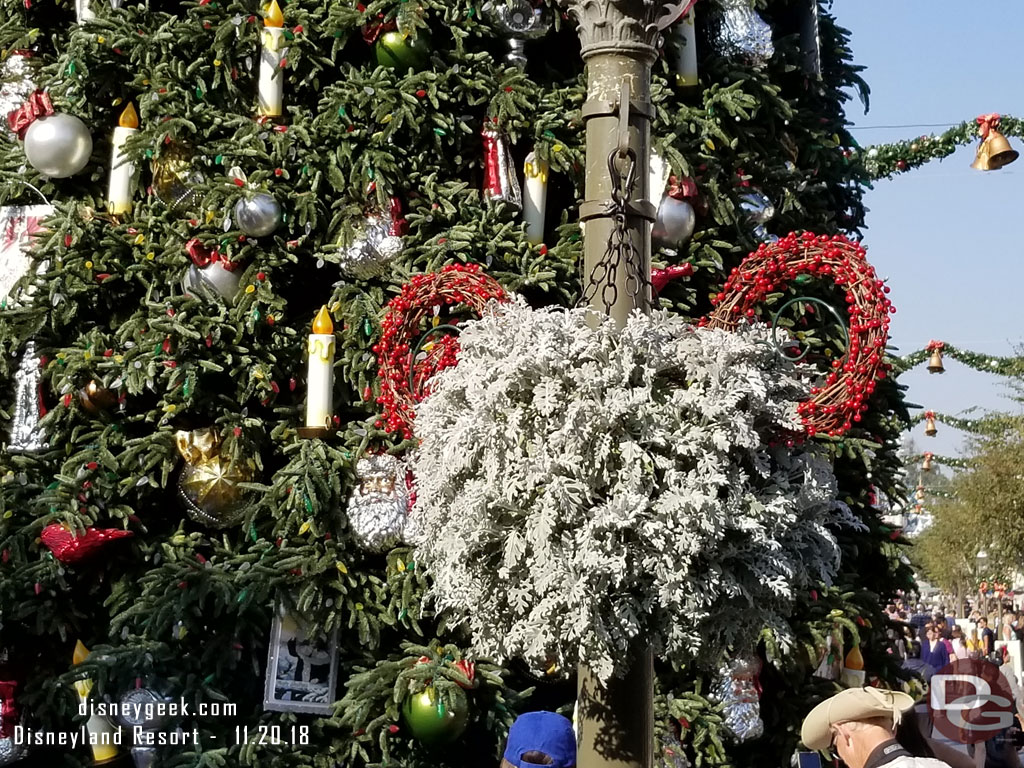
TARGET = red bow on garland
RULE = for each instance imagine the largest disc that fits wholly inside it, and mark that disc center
(202, 256)
(986, 123)
(933, 345)
(36, 105)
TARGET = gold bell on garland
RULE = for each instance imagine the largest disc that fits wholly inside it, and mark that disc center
(929, 425)
(926, 465)
(209, 485)
(935, 361)
(994, 151)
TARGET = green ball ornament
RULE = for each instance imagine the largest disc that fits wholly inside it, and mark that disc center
(400, 51)
(430, 721)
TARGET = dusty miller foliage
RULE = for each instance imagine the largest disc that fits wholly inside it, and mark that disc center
(578, 487)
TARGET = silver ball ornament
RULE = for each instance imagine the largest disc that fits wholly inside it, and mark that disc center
(675, 223)
(58, 145)
(212, 280)
(259, 215)
(757, 207)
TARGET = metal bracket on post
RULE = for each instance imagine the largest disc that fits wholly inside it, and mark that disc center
(597, 209)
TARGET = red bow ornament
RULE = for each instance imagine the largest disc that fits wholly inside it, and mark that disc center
(661, 277)
(203, 257)
(987, 123)
(69, 548)
(36, 105)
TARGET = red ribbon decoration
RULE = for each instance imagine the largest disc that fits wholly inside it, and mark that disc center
(986, 123)
(202, 256)
(661, 277)
(933, 345)
(374, 29)
(681, 189)
(399, 226)
(36, 105)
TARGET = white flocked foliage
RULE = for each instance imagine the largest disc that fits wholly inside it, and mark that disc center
(578, 486)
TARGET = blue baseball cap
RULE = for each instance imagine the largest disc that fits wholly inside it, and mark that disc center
(546, 732)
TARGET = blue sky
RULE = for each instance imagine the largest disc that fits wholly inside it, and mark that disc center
(947, 237)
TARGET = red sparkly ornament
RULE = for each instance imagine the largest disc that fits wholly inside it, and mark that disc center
(69, 548)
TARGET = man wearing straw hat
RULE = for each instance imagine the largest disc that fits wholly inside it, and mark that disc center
(858, 725)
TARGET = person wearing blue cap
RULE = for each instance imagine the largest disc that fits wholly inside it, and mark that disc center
(540, 739)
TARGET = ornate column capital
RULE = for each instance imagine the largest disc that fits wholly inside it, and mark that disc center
(626, 27)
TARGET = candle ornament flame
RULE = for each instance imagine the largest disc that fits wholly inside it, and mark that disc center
(322, 323)
(273, 16)
(129, 118)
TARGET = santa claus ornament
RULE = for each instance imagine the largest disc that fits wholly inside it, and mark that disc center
(739, 691)
(378, 507)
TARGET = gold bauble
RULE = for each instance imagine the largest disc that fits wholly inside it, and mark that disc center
(174, 180)
(209, 484)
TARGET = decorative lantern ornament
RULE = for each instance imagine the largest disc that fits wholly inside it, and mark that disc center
(376, 245)
(211, 274)
(174, 180)
(378, 507)
(208, 488)
(738, 32)
(521, 21)
(739, 690)
(994, 150)
(56, 144)
(258, 215)
(431, 721)
(935, 361)
(398, 50)
(926, 464)
(142, 713)
(929, 424)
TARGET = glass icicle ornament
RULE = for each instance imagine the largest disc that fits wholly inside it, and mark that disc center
(26, 434)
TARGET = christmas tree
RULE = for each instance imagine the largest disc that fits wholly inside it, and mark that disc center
(210, 510)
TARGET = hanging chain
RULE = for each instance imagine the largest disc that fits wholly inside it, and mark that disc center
(621, 252)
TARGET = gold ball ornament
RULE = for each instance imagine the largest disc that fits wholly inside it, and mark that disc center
(430, 721)
(174, 179)
(208, 487)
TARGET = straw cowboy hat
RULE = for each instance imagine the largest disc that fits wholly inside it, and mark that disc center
(851, 705)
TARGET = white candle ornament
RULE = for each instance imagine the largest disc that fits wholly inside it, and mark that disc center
(685, 62)
(102, 736)
(271, 84)
(83, 11)
(535, 197)
(122, 170)
(320, 380)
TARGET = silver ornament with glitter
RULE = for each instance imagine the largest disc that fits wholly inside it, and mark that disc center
(738, 32)
(521, 22)
(258, 215)
(26, 434)
(737, 690)
(378, 507)
(372, 249)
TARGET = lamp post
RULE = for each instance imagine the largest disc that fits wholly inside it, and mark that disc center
(619, 40)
